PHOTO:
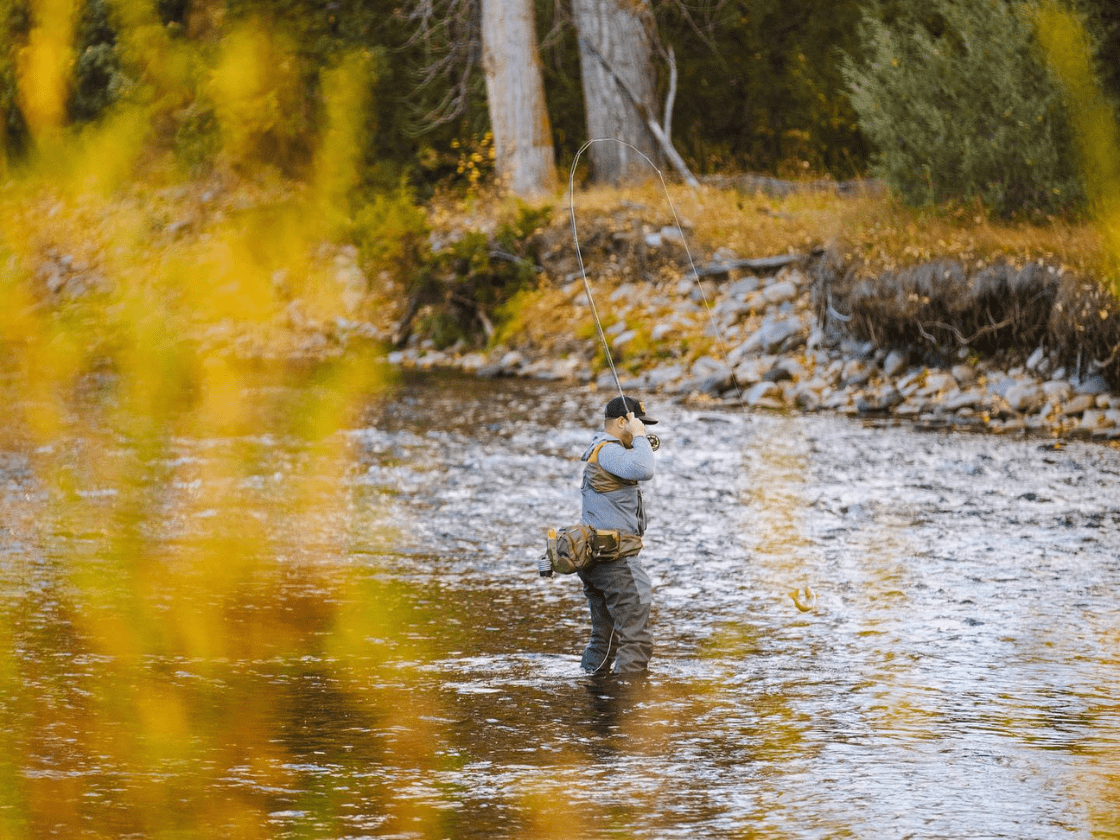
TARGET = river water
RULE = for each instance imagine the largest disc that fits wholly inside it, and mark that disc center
(953, 674)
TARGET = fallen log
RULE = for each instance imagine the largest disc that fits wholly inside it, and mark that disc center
(721, 267)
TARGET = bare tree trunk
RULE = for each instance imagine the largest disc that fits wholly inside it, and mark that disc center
(616, 66)
(524, 156)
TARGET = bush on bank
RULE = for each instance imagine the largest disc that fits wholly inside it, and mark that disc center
(1002, 310)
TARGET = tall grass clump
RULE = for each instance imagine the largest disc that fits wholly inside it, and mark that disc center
(958, 101)
(177, 510)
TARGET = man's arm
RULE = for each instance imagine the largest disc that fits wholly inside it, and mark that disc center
(633, 464)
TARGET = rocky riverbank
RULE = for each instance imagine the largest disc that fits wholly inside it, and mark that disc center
(786, 337)
(781, 318)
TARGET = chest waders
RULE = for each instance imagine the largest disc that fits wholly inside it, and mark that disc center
(600, 481)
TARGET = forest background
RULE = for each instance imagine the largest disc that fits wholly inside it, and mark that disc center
(762, 87)
(1005, 105)
(370, 125)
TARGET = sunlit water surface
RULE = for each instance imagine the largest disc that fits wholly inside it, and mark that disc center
(954, 677)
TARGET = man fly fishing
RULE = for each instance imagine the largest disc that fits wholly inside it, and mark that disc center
(619, 592)
(604, 547)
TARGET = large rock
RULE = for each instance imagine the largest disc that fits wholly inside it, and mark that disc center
(1093, 419)
(742, 287)
(779, 292)
(1001, 383)
(774, 334)
(786, 368)
(709, 366)
(731, 311)
(1025, 397)
(1057, 391)
(965, 375)
(659, 377)
(887, 400)
(895, 362)
(764, 395)
(1079, 404)
(750, 371)
(971, 398)
(714, 384)
(910, 407)
(1038, 362)
(938, 382)
(1093, 384)
(855, 372)
(911, 383)
(623, 338)
(808, 396)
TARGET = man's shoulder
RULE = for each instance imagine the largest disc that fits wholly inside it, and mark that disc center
(596, 446)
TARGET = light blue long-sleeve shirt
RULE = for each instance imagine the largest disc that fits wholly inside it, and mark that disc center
(620, 509)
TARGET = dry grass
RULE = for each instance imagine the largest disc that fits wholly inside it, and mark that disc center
(993, 302)
(884, 235)
(750, 224)
(867, 228)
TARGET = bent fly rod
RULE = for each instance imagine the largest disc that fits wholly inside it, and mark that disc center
(583, 273)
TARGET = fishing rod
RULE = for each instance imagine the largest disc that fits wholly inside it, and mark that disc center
(810, 600)
(587, 285)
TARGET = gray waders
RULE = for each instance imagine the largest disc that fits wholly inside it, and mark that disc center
(619, 594)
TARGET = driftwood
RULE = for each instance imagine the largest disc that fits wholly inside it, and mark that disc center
(404, 326)
(721, 267)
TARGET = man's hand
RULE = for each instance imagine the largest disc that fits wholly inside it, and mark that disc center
(634, 428)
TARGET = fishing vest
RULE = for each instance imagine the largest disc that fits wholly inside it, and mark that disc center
(622, 495)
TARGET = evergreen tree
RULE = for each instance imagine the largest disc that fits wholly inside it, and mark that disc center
(1102, 18)
(957, 100)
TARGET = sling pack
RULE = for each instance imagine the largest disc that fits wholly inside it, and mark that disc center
(576, 547)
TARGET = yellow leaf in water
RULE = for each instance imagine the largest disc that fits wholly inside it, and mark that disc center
(805, 599)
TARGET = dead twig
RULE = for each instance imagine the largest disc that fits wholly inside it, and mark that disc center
(965, 342)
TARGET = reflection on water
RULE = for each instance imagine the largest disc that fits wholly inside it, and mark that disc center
(389, 664)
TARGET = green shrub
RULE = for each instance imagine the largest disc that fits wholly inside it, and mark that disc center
(15, 22)
(471, 286)
(391, 234)
(197, 136)
(958, 102)
(98, 80)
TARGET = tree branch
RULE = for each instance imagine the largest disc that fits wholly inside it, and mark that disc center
(651, 123)
(450, 32)
(671, 95)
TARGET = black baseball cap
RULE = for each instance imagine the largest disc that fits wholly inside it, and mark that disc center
(621, 406)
